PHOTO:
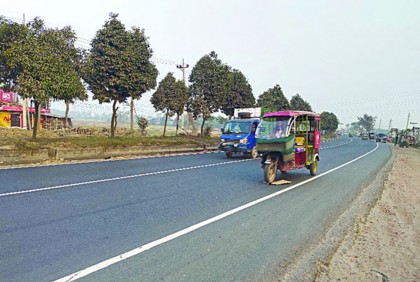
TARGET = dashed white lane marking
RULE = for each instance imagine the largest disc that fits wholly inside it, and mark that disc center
(137, 175)
(142, 249)
(119, 178)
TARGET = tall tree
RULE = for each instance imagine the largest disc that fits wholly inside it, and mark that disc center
(118, 65)
(367, 122)
(170, 97)
(240, 94)
(74, 57)
(10, 34)
(180, 101)
(209, 85)
(41, 66)
(329, 122)
(298, 104)
(273, 99)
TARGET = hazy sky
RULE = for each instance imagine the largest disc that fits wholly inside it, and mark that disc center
(348, 57)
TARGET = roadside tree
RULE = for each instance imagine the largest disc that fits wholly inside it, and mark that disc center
(273, 100)
(329, 122)
(118, 65)
(170, 98)
(42, 66)
(298, 104)
(240, 93)
(209, 87)
(367, 122)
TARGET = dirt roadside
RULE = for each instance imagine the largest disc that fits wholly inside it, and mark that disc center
(385, 244)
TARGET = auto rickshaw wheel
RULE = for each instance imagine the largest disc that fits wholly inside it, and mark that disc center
(313, 168)
(229, 154)
(270, 172)
(254, 153)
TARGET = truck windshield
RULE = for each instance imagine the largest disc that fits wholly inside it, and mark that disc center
(237, 127)
(273, 127)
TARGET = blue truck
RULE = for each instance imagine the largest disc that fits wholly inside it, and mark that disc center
(238, 134)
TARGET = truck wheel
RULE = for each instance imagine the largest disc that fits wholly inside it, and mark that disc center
(270, 172)
(254, 153)
(313, 168)
(229, 154)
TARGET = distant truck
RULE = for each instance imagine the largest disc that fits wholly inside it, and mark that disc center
(238, 134)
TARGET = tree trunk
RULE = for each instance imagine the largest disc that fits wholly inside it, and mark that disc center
(37, 119)
(164, 127)
(114, 118)
(177, 124)
(66, 119)
(191, 122)
(132, 114)
(202, 127)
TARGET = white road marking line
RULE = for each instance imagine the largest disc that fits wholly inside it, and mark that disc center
(118, 178)
(104, 264)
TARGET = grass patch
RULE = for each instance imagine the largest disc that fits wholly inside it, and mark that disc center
(22, 140)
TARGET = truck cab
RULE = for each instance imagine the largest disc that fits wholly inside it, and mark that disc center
(238, 135)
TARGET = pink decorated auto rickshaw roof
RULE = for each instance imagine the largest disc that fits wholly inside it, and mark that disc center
(292, 113)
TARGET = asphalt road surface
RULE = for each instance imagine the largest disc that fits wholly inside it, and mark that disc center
(198, 217)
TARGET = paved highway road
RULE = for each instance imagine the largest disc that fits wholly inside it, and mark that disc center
(178, 218)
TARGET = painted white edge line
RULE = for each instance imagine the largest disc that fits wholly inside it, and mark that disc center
(104, 264)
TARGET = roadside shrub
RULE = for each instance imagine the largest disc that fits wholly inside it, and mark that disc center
(142, 123)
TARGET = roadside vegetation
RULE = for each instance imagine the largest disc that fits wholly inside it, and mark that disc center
(43, 64)
(92, 137)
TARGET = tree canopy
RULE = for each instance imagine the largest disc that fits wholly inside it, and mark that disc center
(329, 122)
(239, 95)
(170, 97)
(298, 104)
(273, 99)
(209, 87)
(118, 65)
(367, 122)
(41, 64)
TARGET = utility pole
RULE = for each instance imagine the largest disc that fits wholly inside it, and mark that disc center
(183, 67)
(380, 122)
(390, 124)
(25, 114)
(408, 120)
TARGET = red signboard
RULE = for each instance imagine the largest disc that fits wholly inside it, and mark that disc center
(8, 96)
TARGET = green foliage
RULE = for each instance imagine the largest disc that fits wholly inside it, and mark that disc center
(329, 122)
(142, 123)
(209, 87)
(118, 65)
(298, 104)
(367, 122)
(273, 100)
(43, 64)
(170, 97)
(10, 34)
(240, 93)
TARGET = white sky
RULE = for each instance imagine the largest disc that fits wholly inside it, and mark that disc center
(348, 57)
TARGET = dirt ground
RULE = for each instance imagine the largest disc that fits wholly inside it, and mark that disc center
(385, 245)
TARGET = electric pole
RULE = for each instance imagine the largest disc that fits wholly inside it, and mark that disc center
(25, 113)
(183, 67)
(408, 119)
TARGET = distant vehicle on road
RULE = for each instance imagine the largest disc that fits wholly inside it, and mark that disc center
(381, 137)
(372, 135)
(365, 136)
(238, 135)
